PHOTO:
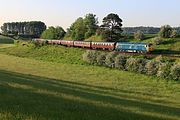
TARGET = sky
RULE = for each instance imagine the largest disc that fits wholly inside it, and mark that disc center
(64, 12)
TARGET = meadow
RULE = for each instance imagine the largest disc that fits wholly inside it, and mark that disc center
(53, 82)
(6, 40)
(33, 89)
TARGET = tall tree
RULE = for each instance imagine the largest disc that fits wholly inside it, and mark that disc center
(112, 27)
(90, 22)
(83, 28)
(33, 28)
(77, 30)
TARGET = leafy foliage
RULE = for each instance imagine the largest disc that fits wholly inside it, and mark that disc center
(139, 35)
(164, 70)
(174, 34)
(136, 65)
(120, 61)
(90, 56)
(165, 31)
(111, 27)
(53, 33)
(90, 22)
(110, 59)
(152, 67)
(33, 28)
(83, 28)
(156, 41)
(175, 72)
(101, 59)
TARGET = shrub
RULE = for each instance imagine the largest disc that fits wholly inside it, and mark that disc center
(90, 56)
(38, 43)
(164, 70)
(17, 42)
(136, 65)
(165, 31)
(101, 59)
(174, 34)
(175, 72)
(139, 35)
(142, 63)
(110, 59)
(163, 59)
(152, 67)
(120, 61)
(157, 41)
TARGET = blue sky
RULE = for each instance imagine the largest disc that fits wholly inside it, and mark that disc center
(65, 12)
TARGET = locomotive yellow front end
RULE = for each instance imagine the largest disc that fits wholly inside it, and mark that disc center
(149, 48)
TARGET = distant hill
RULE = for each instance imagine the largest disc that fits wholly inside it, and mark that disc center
(145, 30)
(6, 40)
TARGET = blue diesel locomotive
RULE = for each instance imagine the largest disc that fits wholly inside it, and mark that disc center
(133, 47)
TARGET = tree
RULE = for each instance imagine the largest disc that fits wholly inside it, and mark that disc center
(77, 30)
(33, 28)
(165, 31)
(90, 22)
(139, 35)
(174, 34)
(53, 33)
(112, 27)
(83, 28)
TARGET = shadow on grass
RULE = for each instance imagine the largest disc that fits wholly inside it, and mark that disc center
(170, 52)
(169, 42)
(58, 99)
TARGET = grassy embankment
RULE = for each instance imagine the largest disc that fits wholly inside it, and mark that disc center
(61, 86)
(169, 45)
(6, 40)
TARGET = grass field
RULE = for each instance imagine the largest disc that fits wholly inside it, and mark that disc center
(57, 54)
(6, 40)
(43, 86)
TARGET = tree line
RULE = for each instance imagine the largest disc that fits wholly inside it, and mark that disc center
(84, 28)
(145, 30)
(33, 28)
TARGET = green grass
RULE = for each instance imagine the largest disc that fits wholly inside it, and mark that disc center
(170, 45)
(6, 40)
(38, 85)
(6, 45)
(88, 87)
(57, 54)
(33, 89)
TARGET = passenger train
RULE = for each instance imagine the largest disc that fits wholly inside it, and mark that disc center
(137, 47)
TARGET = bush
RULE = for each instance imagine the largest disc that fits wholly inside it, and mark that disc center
(164, 70)
(139, 35)
(165, 31)
(120, 61)
(152, 67)
(175, 72)
(136, 65)
(110, 59)
(90, 56)
(163, 59)
(174, 34)
(157, 41)
(101, 59)
(38, 43)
